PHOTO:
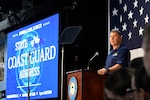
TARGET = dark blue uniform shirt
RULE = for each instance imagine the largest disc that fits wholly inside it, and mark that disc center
(120, 56)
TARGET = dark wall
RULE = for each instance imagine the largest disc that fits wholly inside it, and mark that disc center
(92, 15)
(93, 37)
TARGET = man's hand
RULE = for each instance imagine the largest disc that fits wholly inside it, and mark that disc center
(102, 71)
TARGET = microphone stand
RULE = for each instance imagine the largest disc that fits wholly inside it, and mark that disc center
(29, 77)
(88, 66)
(90, 60)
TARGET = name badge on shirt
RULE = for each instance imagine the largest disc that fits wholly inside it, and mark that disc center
(115, 54)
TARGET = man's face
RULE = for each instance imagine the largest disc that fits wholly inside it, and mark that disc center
(146, 48)
(115, 39)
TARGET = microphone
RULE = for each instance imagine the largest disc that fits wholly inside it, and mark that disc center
(91, 59)
(95, 55)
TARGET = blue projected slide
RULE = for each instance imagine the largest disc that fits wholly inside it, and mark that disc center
(32, 60)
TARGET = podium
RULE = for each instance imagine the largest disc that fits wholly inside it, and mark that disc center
(88, 85)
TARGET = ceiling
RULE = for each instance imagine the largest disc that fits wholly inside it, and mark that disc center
(8, 7)
(16, 13)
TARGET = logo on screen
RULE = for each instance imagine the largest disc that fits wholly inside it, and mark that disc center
(28, 61)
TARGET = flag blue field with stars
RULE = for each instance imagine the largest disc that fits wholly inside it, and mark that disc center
(130, 17)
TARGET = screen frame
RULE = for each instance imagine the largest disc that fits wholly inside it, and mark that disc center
(37, 20)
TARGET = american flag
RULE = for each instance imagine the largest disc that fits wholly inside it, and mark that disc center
(130, 17)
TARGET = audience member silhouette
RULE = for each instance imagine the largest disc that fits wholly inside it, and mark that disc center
(136, 63)
(140, 85)
(146, 48)
(117, 83)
